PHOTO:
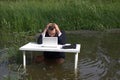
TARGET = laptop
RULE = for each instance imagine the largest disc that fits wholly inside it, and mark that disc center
(51, 42)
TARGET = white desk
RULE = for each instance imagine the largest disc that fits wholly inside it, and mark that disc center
(32, 46)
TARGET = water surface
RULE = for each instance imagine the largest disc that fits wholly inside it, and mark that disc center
(99, 59)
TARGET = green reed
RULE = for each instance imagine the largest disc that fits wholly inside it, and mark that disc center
(30, 15)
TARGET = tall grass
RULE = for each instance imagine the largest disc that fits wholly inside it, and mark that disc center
(30, 15)
(18, 18)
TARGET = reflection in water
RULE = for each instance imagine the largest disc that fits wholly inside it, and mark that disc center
(49, 72)
(102, 63)
(9, 71)
(92, 69)
(99, 59)
(3, 64)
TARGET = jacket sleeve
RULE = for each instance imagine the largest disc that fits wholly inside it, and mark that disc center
(62, 38)
(39, 40)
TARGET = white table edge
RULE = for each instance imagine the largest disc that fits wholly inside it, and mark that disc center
(77, 50)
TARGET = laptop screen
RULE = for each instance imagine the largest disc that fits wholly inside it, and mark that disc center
(50, 41)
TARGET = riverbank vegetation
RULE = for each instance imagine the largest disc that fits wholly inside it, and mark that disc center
(33, 15)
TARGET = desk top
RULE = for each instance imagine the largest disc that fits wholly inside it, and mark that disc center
(32, 46)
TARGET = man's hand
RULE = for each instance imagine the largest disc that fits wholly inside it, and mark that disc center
(57, 30)
(46, 28)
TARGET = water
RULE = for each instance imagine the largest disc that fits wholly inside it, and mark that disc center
(99, 59)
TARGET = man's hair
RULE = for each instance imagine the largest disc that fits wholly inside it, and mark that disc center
(51, 27)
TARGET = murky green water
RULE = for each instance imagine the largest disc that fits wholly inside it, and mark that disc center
(99, 59)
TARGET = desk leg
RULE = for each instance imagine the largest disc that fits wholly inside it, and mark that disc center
(24, 60)
(76, 62)
(31, 57)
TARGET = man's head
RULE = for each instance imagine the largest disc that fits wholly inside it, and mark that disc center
(51, 30)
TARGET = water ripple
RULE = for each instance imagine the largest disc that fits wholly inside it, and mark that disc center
(92, 69)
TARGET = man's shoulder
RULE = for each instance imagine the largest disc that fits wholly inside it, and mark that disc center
(62, 31)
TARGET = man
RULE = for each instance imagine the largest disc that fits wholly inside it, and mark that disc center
(52, 30)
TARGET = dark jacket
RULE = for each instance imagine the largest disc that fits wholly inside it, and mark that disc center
(61, 40)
